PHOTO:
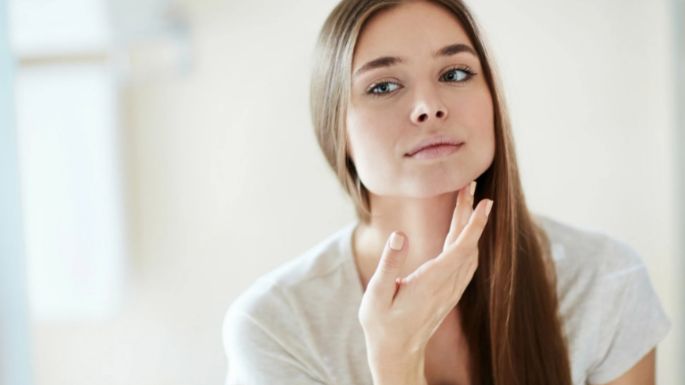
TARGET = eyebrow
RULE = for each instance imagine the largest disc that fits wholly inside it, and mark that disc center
(387, 61)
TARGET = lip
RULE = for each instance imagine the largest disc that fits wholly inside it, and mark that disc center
(436, 141)
(436, 152)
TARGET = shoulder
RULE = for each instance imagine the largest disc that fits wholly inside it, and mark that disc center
(612, 314)
(588, 250)
(273, 322)
(280, 290)
(270, 330)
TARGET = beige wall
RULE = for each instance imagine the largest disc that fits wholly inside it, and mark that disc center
(225, 180)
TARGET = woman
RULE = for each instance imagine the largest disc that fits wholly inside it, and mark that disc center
(424, 288)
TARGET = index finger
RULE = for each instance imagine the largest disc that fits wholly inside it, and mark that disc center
(461, 214)
(468, 238)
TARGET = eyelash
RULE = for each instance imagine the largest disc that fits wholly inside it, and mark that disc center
(469, 75)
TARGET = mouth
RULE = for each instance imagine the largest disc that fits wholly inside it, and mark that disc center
(433, 151)
(434, 144)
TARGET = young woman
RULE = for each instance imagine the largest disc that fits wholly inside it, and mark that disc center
(446, 277)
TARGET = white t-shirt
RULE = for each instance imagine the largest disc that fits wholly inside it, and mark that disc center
(298, 323)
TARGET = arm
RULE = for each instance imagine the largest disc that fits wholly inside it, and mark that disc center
(641, 373)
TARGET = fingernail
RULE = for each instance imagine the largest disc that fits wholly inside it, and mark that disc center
(488, 207)
(396, 241)
(473, 187)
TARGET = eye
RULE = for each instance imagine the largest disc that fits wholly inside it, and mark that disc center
(453, 74)
(382, 88)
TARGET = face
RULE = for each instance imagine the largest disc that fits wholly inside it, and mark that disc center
(423, 93)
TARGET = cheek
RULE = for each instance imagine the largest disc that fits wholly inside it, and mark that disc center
(372, 142)
(367, 135)
(476, 113)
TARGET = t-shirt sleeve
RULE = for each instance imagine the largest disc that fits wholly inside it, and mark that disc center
(261, 348)
(633, 319)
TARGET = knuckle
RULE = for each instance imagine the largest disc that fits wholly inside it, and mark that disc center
(473, 267)
(371, 293)
(365, 315)
(480, 220)
(463, 248)
(389, 263)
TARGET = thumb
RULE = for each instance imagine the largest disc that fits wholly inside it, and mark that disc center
(382, 283)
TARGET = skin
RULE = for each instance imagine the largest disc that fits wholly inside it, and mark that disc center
(399, 316)
(642, 373)
(412, 327)
(420, 97)
(414, 196)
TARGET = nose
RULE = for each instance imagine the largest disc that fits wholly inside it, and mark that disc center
(428, 109)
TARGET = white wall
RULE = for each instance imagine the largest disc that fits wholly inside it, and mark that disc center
(590, 87)
(226, 180)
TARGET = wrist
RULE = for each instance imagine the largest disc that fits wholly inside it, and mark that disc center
(403, 371)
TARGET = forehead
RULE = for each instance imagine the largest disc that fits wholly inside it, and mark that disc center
(411, 29)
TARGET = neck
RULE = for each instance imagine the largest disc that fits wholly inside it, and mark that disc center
(425, 221)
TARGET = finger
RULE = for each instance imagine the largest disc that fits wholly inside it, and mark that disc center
(468, 239)
(425, 268)
(462, 213)
(383, 283)
(455, 218)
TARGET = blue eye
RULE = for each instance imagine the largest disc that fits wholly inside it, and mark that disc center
(456, 77)
(452, 75)
(383, 88)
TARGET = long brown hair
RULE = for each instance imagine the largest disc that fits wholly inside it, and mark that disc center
(511, 317)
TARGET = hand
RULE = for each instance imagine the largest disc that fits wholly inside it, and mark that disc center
(399, 315)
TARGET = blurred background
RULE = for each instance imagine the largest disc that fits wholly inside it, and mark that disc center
(156, 157)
